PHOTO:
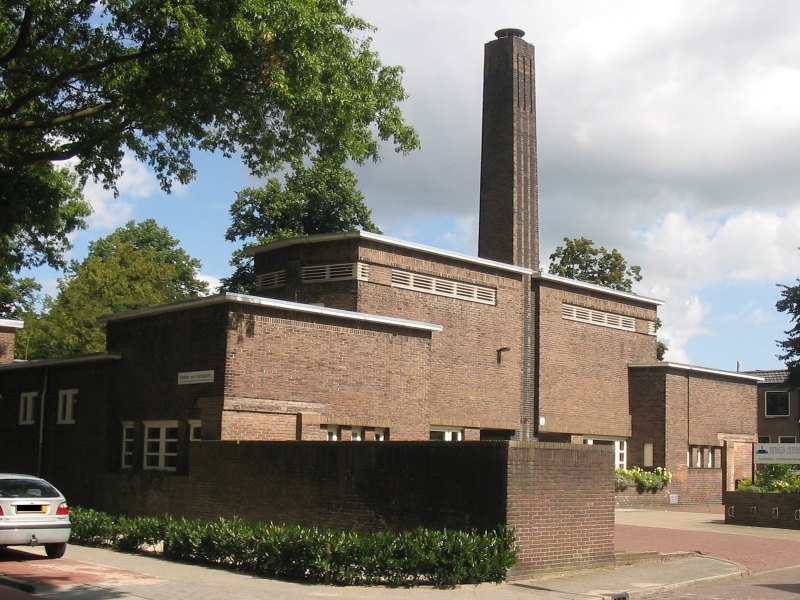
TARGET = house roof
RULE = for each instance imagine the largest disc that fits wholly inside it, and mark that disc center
(13, 323)
(366, 235)
(272, 303)
(672, 365)
(48, 362)
(771, 376)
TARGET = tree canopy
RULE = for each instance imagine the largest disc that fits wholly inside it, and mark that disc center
(321, 198)
(790, 304)
(580, 259)
(272, 80)
(136, 266)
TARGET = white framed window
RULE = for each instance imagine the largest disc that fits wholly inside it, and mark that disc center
(334, 433)
(26, 404)
(776, 404)
(647, 454)
(787, 439)
(161, 445)
(127, 444)
(620, 449)
(381, 434)
(66, 406)
(195, 430)
(446, 434)
(356, 434)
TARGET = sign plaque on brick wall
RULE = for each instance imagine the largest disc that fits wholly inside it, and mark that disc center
(776, 454)
(196, 377)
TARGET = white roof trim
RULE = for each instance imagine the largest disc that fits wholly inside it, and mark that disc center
(598, 288)
(47, 362)
(13, 323)
(272, 303)
(327, 237)
(672, 365)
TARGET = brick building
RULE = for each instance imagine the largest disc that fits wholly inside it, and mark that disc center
(778, 408)
(360, 337)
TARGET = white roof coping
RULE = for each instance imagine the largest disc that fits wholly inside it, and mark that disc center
(13, 323)
(672, 365)
(46, 362)
(367, 235)
(598, 288)
(272, 303)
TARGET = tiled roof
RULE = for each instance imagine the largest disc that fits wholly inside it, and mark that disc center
(774, 376)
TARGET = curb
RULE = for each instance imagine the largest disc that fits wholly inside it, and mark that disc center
(17, 584)
(743, 572)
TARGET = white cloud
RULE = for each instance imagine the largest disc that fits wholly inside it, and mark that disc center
(213, 282)
(136, 182)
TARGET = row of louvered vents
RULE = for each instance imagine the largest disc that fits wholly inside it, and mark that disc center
(596, 317)
(401, 279)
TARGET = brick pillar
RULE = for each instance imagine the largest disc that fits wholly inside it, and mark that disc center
(509, 204)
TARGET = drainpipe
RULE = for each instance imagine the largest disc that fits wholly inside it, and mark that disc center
(41, 425)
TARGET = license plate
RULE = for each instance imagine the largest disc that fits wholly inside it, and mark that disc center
(31, 508)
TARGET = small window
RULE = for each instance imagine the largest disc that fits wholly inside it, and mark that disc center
(66, 407)
(127, 444)
(195, 431)
(356, 434)
(26, 403)
(647, 458)
(446, 434)
(777, 404)
(333, 433)
(787, 439)
(620, 449)
(161, 445)
(381, 434)
(763, 439)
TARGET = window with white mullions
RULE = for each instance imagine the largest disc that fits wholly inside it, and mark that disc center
(66, 407)
(26, 404)
(127, 445)
(446, 434)
(161, 445)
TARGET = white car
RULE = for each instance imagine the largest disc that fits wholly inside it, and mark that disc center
(33, 513)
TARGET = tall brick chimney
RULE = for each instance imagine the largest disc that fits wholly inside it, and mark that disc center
(509, 213)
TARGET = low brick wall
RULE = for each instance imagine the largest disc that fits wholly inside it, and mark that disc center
(762, 510)
(558, 497)
(633, 498)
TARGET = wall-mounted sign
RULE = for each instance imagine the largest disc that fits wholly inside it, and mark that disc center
(196, 377)
(776, 454)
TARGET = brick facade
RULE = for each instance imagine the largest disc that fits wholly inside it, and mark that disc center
(8, 333)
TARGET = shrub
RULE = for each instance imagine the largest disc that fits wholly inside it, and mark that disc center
(772, 479)
(654, 480)
(440, 557)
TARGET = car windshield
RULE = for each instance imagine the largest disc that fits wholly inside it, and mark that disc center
(26, 488)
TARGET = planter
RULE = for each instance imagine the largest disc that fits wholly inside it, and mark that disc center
(762, 510)
(633, 498)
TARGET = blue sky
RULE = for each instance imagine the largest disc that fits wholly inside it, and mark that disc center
(670, 131)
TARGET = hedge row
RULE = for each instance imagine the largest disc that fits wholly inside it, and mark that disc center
(441, 558)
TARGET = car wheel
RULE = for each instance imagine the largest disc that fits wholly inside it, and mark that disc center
(55, 550)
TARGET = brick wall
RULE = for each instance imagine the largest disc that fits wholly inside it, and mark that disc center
(583, 373)
(391, 486)
(7, 337)
(774, 427)
(762, 510)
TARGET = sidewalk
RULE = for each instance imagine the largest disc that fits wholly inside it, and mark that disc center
(95, 574)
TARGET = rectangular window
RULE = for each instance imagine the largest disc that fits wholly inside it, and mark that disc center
(620, 449)
(66, 406)
(705, 457)
(195, 431)
(446, 434)
(356, 434)
(26, 404)
(777, 404)
(333, 433)
(787, 439)
(127, 444)
(763, 439)
(647, 459)
(161, 445)
(443, 287)
(381, 434)
(597, 317)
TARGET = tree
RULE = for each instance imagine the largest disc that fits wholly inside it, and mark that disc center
(138, 265)
(274, 80)
(322, 198)
(790, 304)
(580, 259)
(17, 296)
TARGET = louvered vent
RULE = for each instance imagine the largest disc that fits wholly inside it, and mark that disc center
(651, 327)
(336, 272)
(442, 287)
(267, 281)
(596, 317)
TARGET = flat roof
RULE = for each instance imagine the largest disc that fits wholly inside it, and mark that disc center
(272, 303)
(47, 362)
(14, 323)
(672, 365)
(376, 237)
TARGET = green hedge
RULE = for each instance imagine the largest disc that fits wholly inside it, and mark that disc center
(651, 481)
(441, 558)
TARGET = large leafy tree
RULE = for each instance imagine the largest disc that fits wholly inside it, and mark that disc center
(320, 198)
(580, 259)
(790, 304)
(138, 265)
(274, 80)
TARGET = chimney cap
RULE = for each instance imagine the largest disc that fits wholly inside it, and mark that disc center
(501, 33)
